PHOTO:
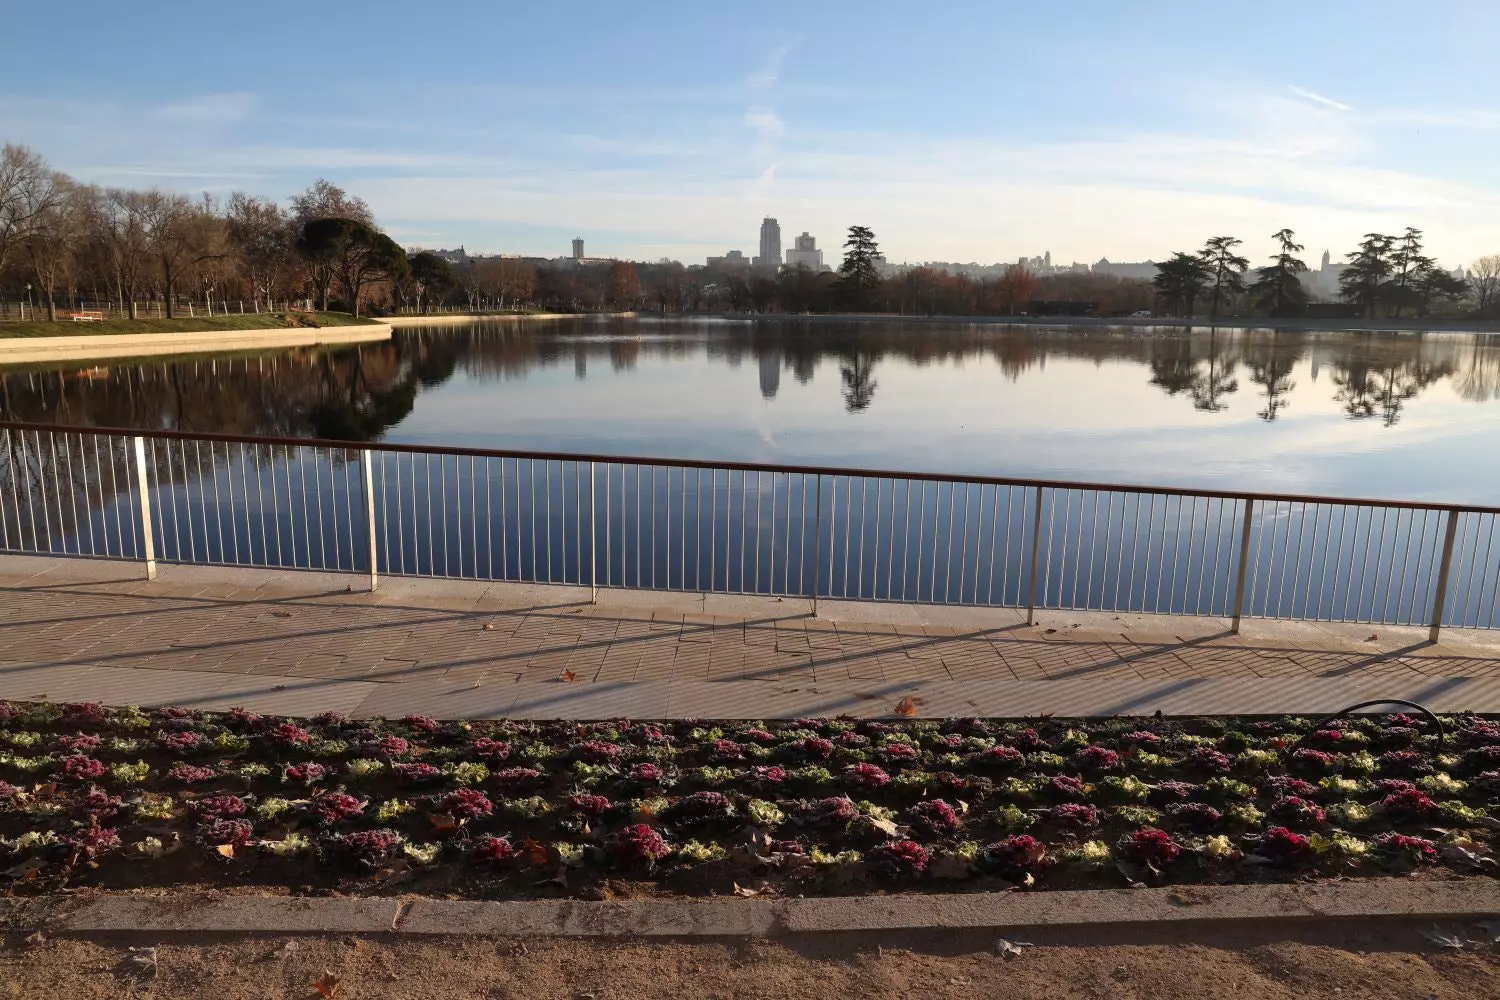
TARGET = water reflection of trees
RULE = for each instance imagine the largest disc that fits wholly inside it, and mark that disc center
(359, 393)
(1366, 389)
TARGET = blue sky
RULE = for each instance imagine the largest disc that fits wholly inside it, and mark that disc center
(958, 131)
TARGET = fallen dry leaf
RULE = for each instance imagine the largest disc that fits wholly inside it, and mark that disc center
(567, 675)
(1011, 949)
(906, 706)
(535, 853)
(443, 821)
(1443, 939)
(225, 850)
(746, 891)
(489, 626)
(327, 985)
(885, 826)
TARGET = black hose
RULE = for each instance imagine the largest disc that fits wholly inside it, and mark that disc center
(1441, 733)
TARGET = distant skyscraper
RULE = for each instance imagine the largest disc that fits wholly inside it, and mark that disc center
(578, 249)
(770, 244)
(805, 253)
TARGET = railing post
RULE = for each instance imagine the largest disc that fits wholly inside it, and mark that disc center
(1239, 581)
(593, 542)
(366, 459)
(1036, 546)
(148, 540)
(817, 542)
(1440, 596)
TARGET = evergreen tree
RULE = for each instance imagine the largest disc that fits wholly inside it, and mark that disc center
(1179, 281)
(859, 274)
(1408, 265)
(1225, 268)
(1365, 277)
(1278, 289)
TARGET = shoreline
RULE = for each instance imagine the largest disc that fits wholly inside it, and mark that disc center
(29, 350)
(1126, 322)
(456, 319)
(1387, 326)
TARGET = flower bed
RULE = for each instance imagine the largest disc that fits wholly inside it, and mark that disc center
(117, 797)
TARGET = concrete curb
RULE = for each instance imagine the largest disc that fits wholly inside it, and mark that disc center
(25, 350)
(143, 912)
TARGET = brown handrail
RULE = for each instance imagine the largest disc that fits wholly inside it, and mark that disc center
(805, 470)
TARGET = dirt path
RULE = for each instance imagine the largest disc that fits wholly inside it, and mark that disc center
(1346, 960)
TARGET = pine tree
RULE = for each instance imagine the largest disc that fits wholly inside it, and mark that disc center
(859, 274)
(1225, 268)
(1365, 277)
(1278, 289)
(1180, 281)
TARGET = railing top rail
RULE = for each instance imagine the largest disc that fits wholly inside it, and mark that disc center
(807, 470)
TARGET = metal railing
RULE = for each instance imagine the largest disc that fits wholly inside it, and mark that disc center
(739, 528)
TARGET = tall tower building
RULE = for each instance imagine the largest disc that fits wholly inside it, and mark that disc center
(770, 244)
(578, 249)
(805, 253)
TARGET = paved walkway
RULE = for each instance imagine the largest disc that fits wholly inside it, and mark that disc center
(300, 643)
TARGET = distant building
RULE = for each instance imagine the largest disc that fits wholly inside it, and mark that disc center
(805, 253)
(1142, 271)
(1322, 282)
(732, 260)
(458, 256)
(578, 249)
(770, 244)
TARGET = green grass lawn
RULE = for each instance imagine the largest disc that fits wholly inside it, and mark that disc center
(65, 327)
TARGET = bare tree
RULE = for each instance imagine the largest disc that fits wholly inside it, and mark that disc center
(325, 200)
(28, 188)
(121, 226)
(1484, 282)
(180, 235)
(261, 240)
(56, 234)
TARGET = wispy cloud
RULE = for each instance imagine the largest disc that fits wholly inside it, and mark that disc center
(1317, 98)
(209, 109)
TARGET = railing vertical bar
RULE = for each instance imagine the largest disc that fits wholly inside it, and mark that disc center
(83, 466)
(844, 590)
(143, 485)
(905, 539)
(978, 535)
(1440, 591)
(367, 466)
(921, 535)
(817, 538)
(67, 461)
(1036, 542)
(1482, 567)
(1247, 515)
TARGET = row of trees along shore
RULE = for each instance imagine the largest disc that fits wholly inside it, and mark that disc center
(1386, 276)
(72, 243)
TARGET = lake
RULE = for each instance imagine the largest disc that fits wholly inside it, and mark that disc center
(1400, 415)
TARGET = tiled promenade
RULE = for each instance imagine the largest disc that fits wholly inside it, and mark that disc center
(302, 643)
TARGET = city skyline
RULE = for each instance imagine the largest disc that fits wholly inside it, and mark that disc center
(709, 123)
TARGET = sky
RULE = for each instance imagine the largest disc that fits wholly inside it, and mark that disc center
(958, 131)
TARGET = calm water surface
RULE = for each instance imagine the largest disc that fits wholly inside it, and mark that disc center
(1391, 415)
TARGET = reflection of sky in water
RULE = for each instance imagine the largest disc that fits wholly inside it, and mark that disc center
(1080, 407)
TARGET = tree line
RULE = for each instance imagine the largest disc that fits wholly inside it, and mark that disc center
(70, 242)
(1387, 276)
